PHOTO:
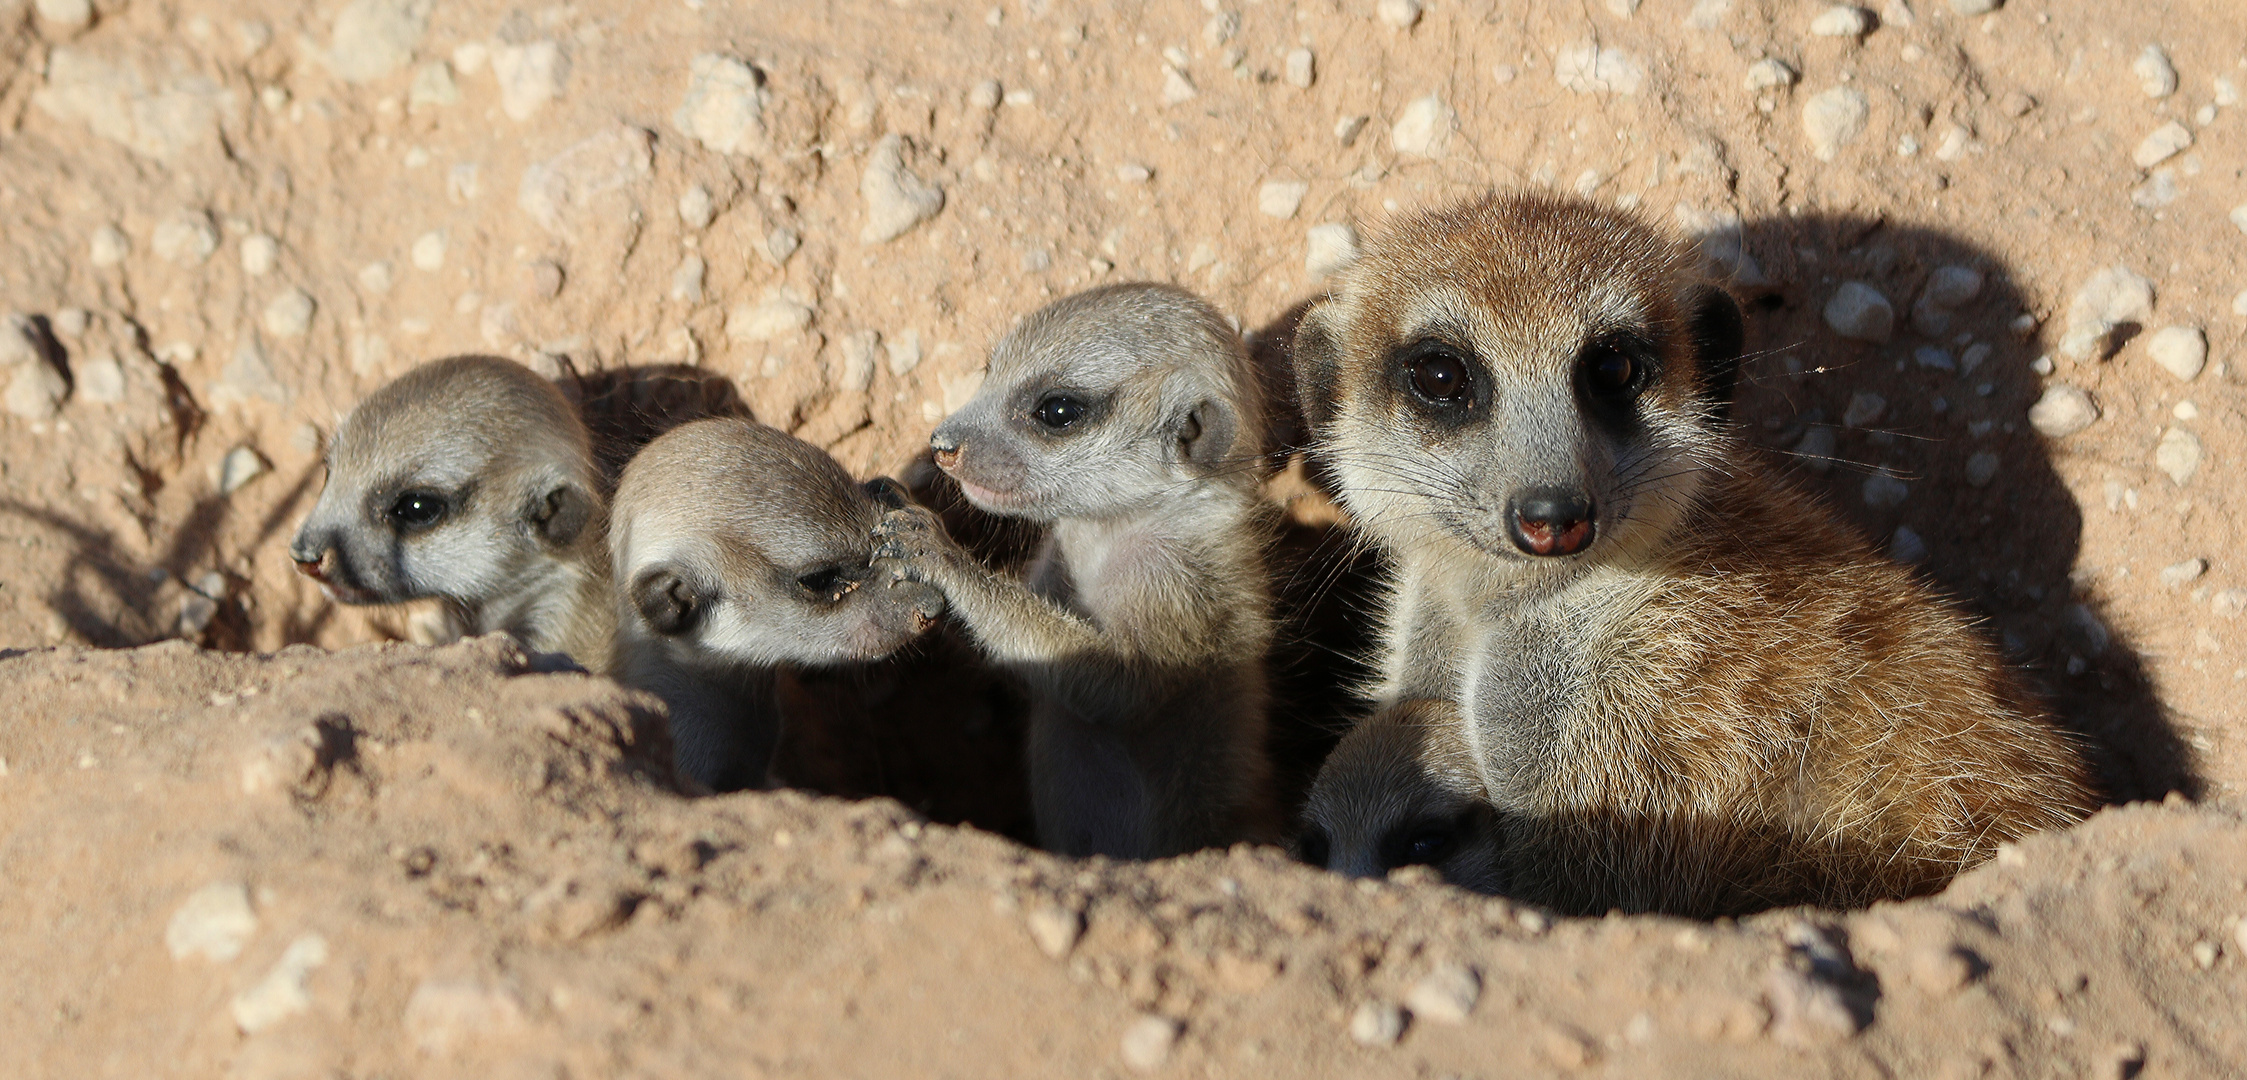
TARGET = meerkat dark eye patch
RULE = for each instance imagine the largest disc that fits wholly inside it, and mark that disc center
(413, 511)
(1612, 370)
(1314, 847)
(1419, 843)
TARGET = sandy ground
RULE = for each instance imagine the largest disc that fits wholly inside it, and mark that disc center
(221, 223)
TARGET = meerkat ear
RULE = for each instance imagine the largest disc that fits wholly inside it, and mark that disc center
(1317, 356)
(1205, 432)
(669, 603)
(1714, 329)
(560, 515)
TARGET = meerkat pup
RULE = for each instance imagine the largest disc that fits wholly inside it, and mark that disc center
(1126, 419)
(1687, 686)
(739, 549)
(470, 480)
(1402, 789)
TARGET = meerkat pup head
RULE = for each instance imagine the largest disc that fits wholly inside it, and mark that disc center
(1538, 380)
(736, 542)
(468, 479)
(1401, 789)
(1104, 402)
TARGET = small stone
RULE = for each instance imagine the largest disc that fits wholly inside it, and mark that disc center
(1941, 971)
(858, 372)
(775, 318)
(530, 75)
(433, 88)
(281, 994)
(18, 341)
(443, 1014)
(724, 106)
(1982, 468)
(2156, 75)
(1054, 928)
(1177, 88)
(1973, 357)
(2167, 141)
(1842, 21)
(904, 351)
(1906, 545)
(2112, 297)
(1834, 118)
(240, 466)
(109, 245)
(2178, 454)
(543, 279)
(1588, 68)
(2238, 217)
(1948, 289)
(248, 375)
(1134, 173)
(186, 240)
(1301, 68)
(1934, 359)
(1865, 408)
(101, 379)
(2229, 604)
(2178, 575)
(696, 210)
(2238, 932)
(375, 37)
(1327, 249)
(1447, 994)
(2204, 954)
(36, 391)
(1147, 1042)
(1347, 128)
(986, 95)
(64, 17)
(1973, 8)
(289, 314)
(1884, 490)
(1424, 128)
(2180, 350)
(780, 244)
(2062, 411)
(375, 277)
(214, 922)
(1816, 449)
(686, 281)
(1281, 198)
(1859, 312)
(896, 200)
(259, 254)
(1398, 14)
(1770, 73)
(1377, 1023)
(429, 252)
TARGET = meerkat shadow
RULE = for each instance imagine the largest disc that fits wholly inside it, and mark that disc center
(1920, 436)
(626, 407)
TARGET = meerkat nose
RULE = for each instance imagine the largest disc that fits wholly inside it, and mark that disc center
(947, 457)
(1551, 521)
(316, 569)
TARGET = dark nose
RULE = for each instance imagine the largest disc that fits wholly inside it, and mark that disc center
(1552, 521)
(944, 446)
(312, 557)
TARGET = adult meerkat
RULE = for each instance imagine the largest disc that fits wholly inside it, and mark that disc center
(1126, 419)
(1687, 686)
(1403, 789)
(470, 480)
(739, 549)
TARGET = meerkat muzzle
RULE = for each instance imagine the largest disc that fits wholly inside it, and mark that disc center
(1552, 523)
(947, 457)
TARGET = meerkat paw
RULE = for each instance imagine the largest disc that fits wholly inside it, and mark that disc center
(909, 535)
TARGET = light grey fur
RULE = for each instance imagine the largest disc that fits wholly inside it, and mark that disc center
(516, 545)
(1142, 627)
(739, 549)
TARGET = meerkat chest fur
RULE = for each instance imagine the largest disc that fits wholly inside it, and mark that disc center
(1154, 576)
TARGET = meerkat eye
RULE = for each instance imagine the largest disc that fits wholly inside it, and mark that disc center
(830, 583)
(1058, 411)
(1614, 369)
(416, 510)
(1418, 845)
(1610, 370)
(1438, 374)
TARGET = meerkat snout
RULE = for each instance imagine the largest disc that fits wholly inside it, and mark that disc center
(668, 602)
(1551, 520)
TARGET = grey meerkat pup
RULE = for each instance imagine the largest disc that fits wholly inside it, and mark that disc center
(469, 480)
(739, 549)
(1688, 686)
(1126, 419)
(1403, 789)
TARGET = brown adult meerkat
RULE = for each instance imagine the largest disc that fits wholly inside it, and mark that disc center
(470, 480)
(1688, 686)
(1402, 789)
(738, 549)
(1126, 419)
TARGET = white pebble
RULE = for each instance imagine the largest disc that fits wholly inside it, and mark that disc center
(1398, 14)
(1281, 198)
(2112, 297)
(289, 314)
(1982, 468)
(2178, 575)
(896, 200)
(2166, 142)
(2180, 350)
(1447, 994)
(530, 75)
(2156, 75)
(101, 379)
(2229, 604)
(1220, 28)
(1177, 88)
(1841, 21)
(17, 340)
(186, 240)
(1146, 1043)
(696, 209)
(1327, 249)
(2239, 304)
(1973, 357)
(686, 281)
(433, 88)
(64, 16)
(36, 391)
(110, 245)
(2239, 217)
(986, 95)
(1859, 312)
(725, 104)
(2185, 410)
(1377, 1023)
(375, 37)
(1905, 545)
(1588, 68)
(1301, 68)
(214, 922)
(240, 466)
(775, 318)
(429, 252)
(1770, 73)
(2178, 454)
(780, 244)
(1423, 129)
(1865, 409)
(1346, 128)
(904, 351)
(1834, 118)
(281, 994)
(1972, 8)
(375, 277)
(1055, 929)
(2062, 411)
(1947, 289)
(1884, 490)
(259, 254)
(1134, 173)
